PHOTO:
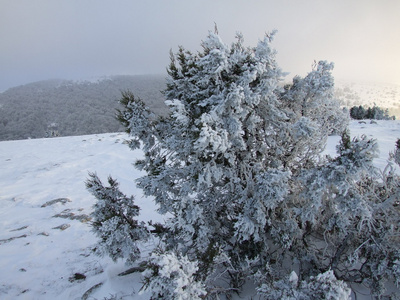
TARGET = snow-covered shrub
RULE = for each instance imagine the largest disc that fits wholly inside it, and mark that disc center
(113, 221)
(237, 170)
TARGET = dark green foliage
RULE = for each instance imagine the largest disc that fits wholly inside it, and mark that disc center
(396, 154)
(376, 113)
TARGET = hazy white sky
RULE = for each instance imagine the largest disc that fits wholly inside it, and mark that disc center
(77, 39)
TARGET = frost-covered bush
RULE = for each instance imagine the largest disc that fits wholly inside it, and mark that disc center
(236, 168)
(114, 221)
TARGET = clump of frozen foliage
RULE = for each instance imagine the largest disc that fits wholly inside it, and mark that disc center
(322, 286)
(236, 168)
(312, 97)
(172, 277)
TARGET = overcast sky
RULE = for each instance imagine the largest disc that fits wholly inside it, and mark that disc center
(78, 39)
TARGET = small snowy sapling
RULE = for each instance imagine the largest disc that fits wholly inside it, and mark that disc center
(114, 221)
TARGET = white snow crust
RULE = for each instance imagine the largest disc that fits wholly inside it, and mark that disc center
(39, 260)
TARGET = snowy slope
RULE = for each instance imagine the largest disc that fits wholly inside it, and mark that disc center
(40, 261)
(45, 247)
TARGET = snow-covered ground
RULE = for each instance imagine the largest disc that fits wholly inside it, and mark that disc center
(46, 247)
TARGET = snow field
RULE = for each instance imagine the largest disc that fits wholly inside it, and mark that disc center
(41, 260)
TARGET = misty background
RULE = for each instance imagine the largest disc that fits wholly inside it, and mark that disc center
(73, 39)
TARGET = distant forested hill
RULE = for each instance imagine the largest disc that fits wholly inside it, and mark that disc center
(65, 108)
(68, 108)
